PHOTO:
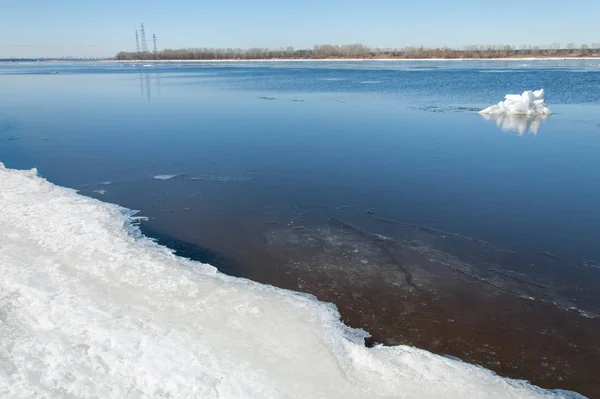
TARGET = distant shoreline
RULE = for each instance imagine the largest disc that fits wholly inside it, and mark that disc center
(174, 60)
(353, 59)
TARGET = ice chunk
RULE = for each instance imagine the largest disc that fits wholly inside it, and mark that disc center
(91, 308)
(165, 177)
(512, 97)
(205, 177)
(528, 98)
(539, 94)
(528, 103)
(521, 123)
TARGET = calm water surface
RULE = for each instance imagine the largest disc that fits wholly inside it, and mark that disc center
(374, 185)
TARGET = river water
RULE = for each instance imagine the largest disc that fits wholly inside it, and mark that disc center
(372, 185)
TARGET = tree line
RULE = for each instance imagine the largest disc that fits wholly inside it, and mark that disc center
(360, 51)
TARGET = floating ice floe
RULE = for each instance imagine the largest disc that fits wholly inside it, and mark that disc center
(528, 103)
(91, 308)
(517, 122)
(165, 177)
(205, 177)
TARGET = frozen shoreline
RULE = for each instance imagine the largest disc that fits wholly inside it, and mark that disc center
(90, 307)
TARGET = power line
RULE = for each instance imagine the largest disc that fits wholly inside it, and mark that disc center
(144, 45)
(137, 42)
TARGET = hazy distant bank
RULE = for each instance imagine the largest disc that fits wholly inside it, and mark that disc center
(362, 52)
(348, 59)
(175, 60)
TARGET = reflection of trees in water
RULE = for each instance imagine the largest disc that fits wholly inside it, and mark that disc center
(517, 123)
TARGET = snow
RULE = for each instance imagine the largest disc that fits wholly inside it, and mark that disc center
(91, 308)
(528, 103)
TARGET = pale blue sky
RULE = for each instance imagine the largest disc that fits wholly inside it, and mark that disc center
(49, 28)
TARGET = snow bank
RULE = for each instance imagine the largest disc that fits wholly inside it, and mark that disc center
(90, 308)
(528, 103)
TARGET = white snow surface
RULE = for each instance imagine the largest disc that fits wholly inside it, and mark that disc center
(528, 103)
(89, 308)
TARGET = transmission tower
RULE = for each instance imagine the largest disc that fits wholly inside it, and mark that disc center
(137, 41)
(154, 40)
(144, 45)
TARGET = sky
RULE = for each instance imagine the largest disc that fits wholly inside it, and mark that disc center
(95, 28)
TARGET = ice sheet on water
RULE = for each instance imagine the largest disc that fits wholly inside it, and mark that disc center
(91, 308)
(205, 177)
(407, 256)
(528, 103)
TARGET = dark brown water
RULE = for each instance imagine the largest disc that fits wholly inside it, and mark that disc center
(408, 284)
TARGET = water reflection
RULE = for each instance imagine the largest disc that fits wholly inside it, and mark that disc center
(518, 123)
(149, 82)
